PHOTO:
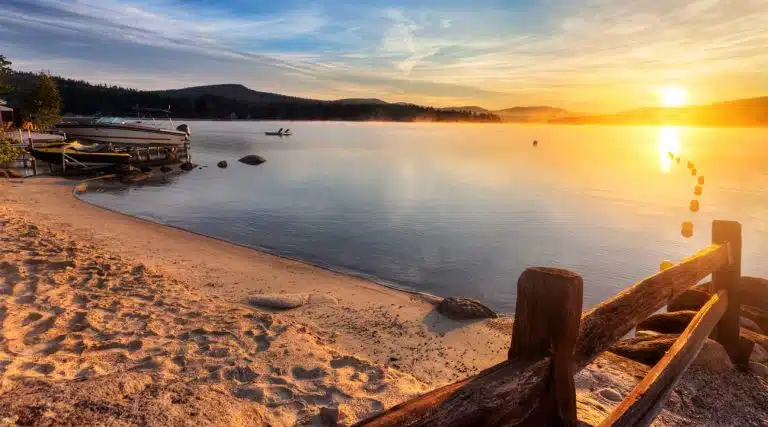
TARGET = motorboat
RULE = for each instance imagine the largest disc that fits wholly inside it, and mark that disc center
(82, 155)
(142, 131)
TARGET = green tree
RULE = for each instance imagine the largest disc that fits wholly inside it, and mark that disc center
(43, 104)
(5, 70)
(7, 153)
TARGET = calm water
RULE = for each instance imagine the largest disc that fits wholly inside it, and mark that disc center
(463, 209)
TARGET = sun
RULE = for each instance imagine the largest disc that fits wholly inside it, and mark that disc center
(673, 96)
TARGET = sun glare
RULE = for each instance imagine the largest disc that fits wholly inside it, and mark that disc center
(669, 147)
(673, 96)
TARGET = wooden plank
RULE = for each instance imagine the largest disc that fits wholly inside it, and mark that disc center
(534, 387)
(612, 319)
(728, 277)
(642, 404)
(547, 317)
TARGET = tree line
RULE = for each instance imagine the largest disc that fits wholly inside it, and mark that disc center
(82, 98)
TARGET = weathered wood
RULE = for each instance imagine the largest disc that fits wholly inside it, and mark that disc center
(642, 404)
(728, 278)
(505, 394)
(547, 317)
(535, 387)
(612, 319)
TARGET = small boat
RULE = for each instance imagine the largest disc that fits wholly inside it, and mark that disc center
(80, 154)
(142, 131)
(280, 132)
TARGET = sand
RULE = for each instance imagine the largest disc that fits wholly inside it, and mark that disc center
(109, 319)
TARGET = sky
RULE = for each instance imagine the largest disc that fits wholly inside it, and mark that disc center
(583, 55)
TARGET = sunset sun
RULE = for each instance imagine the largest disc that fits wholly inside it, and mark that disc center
(673, 96)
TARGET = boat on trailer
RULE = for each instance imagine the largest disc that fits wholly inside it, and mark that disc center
(142, 131)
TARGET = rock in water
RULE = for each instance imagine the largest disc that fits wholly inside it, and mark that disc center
(252, 159)
(459, 308)
(146, 169)
(188, 166)
(165, 169)
(222, 164)
(667, 323)
(279, 301)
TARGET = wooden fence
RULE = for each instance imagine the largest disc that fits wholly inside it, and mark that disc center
(552, 340)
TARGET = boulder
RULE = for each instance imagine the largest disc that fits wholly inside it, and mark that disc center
(646, 350)
(713, 357)
(279, 301)
(667, 323)
(188, 166)
(222, 164)
(691, 299)
(331, 416)
(459, 308)
(759, 354)
(252, 159)
(165, 169)
(760, 317)
(146, 169)
(750, 324)
(758, 369)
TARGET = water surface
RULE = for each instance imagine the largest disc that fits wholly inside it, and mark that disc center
(457, 209)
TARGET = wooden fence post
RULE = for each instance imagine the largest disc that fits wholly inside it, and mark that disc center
(728, 278)
(547, 320)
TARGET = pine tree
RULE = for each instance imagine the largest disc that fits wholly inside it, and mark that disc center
(43, 104)
(5, 70)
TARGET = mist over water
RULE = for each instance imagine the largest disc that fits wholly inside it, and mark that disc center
(457, 209)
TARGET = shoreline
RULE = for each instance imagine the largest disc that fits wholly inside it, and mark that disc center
(428, 297)
(111, 317)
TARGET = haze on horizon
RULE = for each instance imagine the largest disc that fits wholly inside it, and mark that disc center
(583, 55)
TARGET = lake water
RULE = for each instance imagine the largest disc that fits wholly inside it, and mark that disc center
(456, 209)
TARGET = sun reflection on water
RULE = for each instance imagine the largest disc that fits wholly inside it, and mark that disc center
(669, 142)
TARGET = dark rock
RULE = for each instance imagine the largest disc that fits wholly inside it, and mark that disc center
(279, 301)
(222, 164)
(747, 323)
(331, 416)
(165, 169)
(134, 177)
(188, 166)
(667, 323)
(252, 159)
(647, 350)
(692, 299)
(146, 169)
(459, 308)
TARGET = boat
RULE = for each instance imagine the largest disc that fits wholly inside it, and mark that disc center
(83, 155)
(142, 131)
(279, 132)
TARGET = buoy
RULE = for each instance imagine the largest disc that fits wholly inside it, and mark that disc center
(697, 190)
(694, 206)
(701, 180)
(535, 143)
(687, 229)
(665, 265)
(690, 164)
(693, 172)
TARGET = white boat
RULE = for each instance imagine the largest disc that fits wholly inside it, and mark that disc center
(144, 130)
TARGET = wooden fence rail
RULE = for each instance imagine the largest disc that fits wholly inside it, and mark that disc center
(552, 340)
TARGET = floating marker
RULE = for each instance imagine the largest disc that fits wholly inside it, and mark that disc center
(697, 190)
(694, 206)
(690, 164)
(693, 172)
(666, 264)
(535, 143)
(687, 229)
(701, 180)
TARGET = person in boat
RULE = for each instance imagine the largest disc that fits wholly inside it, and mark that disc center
(287, 132)
(280, 131)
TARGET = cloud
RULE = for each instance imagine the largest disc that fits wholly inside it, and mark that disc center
(598, 53)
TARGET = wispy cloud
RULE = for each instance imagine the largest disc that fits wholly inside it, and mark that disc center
(584, 54)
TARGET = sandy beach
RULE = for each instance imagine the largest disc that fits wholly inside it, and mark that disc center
(113, 320)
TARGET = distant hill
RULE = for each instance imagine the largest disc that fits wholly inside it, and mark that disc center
(361, 101)
(232, 91)
(743, 112)
(536, 114)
